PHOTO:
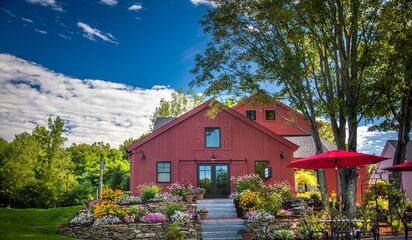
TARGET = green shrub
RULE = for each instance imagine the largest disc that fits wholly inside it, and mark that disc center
(315, 196)
(381, 188)
(248, 182)
(271, 202)
(282, 188)
(137, 211)
(312, 195)
(283, 235)
(383, 203)
(174, 232)
(149, 191)
(408, 206)
(171, 209)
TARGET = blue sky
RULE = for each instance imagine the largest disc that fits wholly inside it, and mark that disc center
(101, 65)
(154, 42)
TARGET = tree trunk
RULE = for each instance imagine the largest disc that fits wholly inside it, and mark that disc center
(320, 173)
(403, 133)
(349, 176)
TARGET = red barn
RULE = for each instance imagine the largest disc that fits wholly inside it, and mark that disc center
(207, 152)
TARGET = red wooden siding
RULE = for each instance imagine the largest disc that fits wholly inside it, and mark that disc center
(362, 179)
(184, 146)
(295, 126)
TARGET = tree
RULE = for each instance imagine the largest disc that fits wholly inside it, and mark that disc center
(305, 178)
(316, 52)
(36, 169)
(392, 57)
(180, 103)
(87, 161)
(18, 170)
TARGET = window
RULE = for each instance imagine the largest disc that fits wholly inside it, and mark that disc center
(212, 137)
(270, 115)
(260, 168)
(251, 114)
(163, 171)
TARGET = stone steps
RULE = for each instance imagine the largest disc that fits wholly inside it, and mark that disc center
(217, 205)
(222, 215)
(222, 222)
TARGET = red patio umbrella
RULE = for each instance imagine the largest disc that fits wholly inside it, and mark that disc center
(336, 159)
(406, 166)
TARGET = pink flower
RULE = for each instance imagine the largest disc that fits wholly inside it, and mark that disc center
(154, 217)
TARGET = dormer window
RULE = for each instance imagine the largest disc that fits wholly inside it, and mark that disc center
(251, 114)
(270, 115)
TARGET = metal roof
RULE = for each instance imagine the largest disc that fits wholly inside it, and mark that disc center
(307, 146)
(161, 121)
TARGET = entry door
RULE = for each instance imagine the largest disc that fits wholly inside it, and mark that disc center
(214, 178)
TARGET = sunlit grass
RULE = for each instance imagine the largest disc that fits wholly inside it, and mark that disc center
(34, 223)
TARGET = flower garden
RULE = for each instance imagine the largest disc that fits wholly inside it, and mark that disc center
(270, 212)
(264, 208)
(154, 213)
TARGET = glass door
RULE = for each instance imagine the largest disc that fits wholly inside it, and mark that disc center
(205, 178)
(215, 179)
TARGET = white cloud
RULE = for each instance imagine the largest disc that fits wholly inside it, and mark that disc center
(28, 20)
(373, 141)
(47, 3)
(93, 33)
(205, 2)
(109, 2)
(135, 7)
(93, 110)
(10, 13)
(64, 36)
(40, 31)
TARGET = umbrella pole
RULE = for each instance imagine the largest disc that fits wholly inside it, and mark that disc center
(338, 188)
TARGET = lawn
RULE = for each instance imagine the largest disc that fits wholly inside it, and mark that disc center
(34, 223)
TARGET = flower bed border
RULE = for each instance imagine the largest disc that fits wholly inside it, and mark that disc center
(191, 230)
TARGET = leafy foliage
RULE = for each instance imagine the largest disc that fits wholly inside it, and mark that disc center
(180, 103)
(171, 209)
(148, 191)
(174, 232)
(305, 178)
(36, 170)
(253, 194)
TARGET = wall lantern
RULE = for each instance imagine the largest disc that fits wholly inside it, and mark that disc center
(282, 156)
(213, 157)
(143, 157)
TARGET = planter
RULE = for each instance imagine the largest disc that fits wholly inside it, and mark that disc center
(189, 198)
(248, 236)
(202, 216)
(199, 196)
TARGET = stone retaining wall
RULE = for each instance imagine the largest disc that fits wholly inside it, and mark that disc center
(290, 223)
(191, 231)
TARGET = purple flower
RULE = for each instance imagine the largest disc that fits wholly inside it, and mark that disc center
(108, 219)
(83, 218)
(154, 217)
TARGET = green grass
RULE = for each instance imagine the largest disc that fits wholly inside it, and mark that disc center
(34, 223)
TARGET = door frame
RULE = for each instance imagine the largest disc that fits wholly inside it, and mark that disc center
(213, 176)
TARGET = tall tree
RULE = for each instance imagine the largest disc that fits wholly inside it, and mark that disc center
(180, 103)
(392, 57)
(316, 51)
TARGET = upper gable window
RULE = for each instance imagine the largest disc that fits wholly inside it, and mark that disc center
(251, 114)
(212, 136)
(270, 115)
